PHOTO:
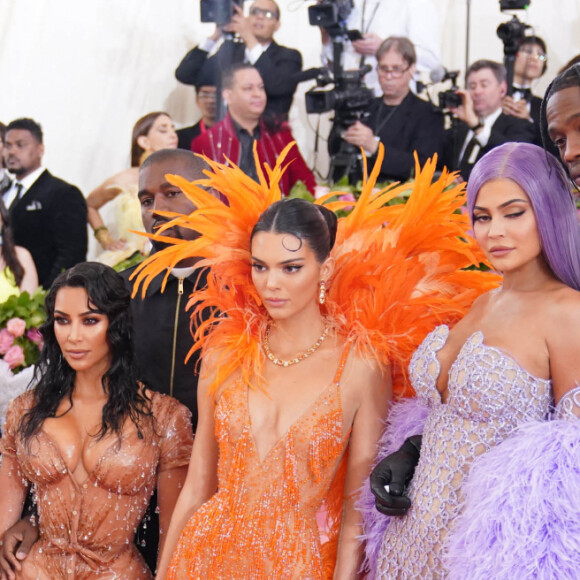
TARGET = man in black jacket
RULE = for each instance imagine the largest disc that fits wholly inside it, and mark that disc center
(49, 215)
(278, 65)
(481, 125)
(399, 119)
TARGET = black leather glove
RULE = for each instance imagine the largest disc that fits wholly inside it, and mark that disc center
(395, 471)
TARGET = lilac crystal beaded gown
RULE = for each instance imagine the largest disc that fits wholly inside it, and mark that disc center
(489, 396)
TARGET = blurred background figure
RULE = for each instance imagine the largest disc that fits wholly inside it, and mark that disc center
(17, 271)
(530, 64)
(152, 132)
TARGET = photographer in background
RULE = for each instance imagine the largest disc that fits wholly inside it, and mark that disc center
(399, 119)
(376, 20)
(276, 64)
(530, 64)
(481, 125)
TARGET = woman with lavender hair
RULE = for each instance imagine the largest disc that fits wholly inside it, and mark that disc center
(494, 493)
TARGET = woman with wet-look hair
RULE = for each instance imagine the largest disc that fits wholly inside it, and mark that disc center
(89, 439)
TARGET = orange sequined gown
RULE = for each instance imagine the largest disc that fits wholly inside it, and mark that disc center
(261, 524)
(87, 528)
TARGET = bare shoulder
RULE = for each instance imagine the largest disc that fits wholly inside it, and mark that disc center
(363, 372)
(23, 255)
(208, 374)
(563, 311)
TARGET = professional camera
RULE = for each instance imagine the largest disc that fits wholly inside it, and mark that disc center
(513, 4)
(511, 34)
(449, 99)
(349, 99)
(330, 13)
(218, 11)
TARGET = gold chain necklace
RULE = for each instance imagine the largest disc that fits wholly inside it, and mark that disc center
(299, 357)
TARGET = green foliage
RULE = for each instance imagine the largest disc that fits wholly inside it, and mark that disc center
(28, 308)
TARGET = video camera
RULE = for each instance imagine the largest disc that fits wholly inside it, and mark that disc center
(350, 99)
(330, 14)
(218, 11)
(511, 34)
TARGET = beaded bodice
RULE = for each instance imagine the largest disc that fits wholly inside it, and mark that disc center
(87, 527)
(490, 394)
(262, 523)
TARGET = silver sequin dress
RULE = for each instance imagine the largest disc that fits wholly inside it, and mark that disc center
(489, 396)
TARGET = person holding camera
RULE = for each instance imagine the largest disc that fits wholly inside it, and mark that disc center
(276, 64)
(399, 119)
(376, 20)
(480, 125)
(530, 64)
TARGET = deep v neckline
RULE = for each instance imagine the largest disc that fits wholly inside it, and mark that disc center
(105, 453)
(334, 383)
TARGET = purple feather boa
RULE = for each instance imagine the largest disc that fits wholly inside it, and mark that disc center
(406, 418)
(522, 508)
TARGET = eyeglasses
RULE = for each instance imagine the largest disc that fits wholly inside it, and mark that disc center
(530, 52)
(396, 72)
(206, 95)
(267, 14)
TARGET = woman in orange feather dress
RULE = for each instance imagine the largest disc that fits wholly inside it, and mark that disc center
(296, 377)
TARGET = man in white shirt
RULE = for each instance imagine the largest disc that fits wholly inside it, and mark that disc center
(376, 20)
(481, 125)
(277, 65)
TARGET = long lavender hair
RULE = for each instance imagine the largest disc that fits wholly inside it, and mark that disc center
(544, 181)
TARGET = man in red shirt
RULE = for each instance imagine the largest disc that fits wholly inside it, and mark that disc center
(233, 138)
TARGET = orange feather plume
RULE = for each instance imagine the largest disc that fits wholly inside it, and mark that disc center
(399, 269)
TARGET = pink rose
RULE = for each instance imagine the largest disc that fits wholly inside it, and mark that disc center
(16, 326)
(6, 340)
(34, 335)
(14, 357)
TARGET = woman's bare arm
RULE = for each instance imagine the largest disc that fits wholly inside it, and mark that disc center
(201, 481)
(29, 282)
(374, 391)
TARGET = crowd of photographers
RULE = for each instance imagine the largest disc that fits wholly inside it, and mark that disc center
(373, 52)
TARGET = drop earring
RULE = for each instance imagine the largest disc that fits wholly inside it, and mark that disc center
(322, 292)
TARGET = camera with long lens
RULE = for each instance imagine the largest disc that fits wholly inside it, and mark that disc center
(218, 11)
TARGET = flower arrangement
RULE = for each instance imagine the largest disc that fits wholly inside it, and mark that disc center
(20, 339)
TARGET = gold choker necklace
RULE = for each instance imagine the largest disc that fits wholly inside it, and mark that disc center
(299, 357)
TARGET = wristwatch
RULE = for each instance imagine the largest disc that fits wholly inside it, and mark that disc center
(476, 127)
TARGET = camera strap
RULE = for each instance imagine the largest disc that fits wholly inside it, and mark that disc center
(364, 27)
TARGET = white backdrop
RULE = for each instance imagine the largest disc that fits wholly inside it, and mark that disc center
(87, 69)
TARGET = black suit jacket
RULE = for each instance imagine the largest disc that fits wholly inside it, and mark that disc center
(414, 125)
(50, 221)
(186, 136)
(505, 129)
(278, 65)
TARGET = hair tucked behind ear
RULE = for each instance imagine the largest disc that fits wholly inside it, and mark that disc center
(108, 294)
(314, 224)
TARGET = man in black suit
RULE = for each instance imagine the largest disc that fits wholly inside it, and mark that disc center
(276, 64)
(481, 125)
(49, 215)
(399, 119)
